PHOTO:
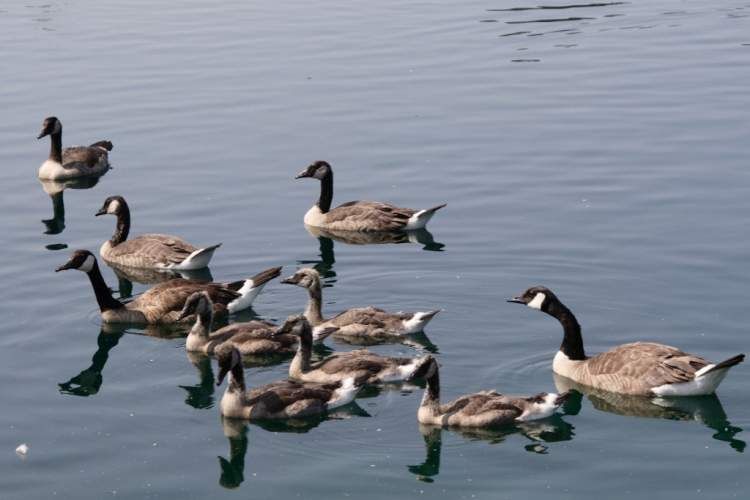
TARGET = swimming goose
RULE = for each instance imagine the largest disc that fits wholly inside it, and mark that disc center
(364, 366)
(163, 303)
(481, 409)
(640, 368)
(254, 337)
(277, 400)
(362, 322)
(358, 215)
(159, 251)
(74, 161)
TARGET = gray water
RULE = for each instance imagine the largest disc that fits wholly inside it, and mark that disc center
(599, 150)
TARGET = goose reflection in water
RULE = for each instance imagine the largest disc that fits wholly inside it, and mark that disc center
(549, 430)
(235, 430)
(55, 189)
(704, 409)
(89, 381)
(127, 275)
(419, 236)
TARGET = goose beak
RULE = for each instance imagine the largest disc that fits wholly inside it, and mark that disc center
(222, 373)
(42, 134)
(183, 314)
(291, 280)
(516, 300)
(64, 267)
(102, 211)
(302, 174)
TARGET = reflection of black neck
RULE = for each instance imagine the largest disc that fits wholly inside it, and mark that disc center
(233, 470)
(103, 295)
(55, 151)
(326, 192)
(572, 344)
(123, 225)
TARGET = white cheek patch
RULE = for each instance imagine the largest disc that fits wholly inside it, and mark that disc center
(113, 207)
(88, 264)
(538, 301)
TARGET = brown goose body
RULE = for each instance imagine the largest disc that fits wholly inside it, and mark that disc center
(73, 161)
(278, 400)
(481, 409)
(638, 369)
(148, 251)
(361, 365)
(359, 216)
(363, 322)
(164, 302)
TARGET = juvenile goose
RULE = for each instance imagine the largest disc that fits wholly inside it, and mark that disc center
(250, 338)
(640, 368)
(358, 215)
(481, 409)
(75, 161)
(152, 251)
(362, 322)
(277, 400)
(362, 365)
(163, 303)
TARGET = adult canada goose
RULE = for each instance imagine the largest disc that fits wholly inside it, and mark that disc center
(640, 368)
(481, 409)
(362, 322)
(163, 303)
(358, 215)
(159, 251)
(364, 366)
(251, 338)
(277, 400)
(74, 161)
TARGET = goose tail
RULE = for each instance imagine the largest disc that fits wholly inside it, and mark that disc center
(198, 259)
(420, 219)
(345, 394)
(418, 321)
(102, 145)
(250, 288)
(724, 365)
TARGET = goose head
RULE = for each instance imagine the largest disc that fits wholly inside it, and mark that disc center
(317, 170)
(114, 205)
(306, 278)
(229, 359)
(50, 126)
(537, 297)
(82, 260)
(199, 303)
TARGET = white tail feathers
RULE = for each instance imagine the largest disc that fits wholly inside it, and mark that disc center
(344, 394)
(197, 260)
(418, 321)
(420, 219)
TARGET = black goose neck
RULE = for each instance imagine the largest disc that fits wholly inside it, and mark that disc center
(123, 225)
(326, 192)
(103, 295)
(304, 351)
(237, 383)
(55, 151)
(433, 385)
(572, 344)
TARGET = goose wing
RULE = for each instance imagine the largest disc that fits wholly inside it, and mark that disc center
(368, 216)
(160, 248)
(483, 408)
(370, 316)
(292, 397)
(165, 301)
(86, 156)
(648, 363)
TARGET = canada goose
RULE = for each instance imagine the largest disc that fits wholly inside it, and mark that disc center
(481, 409)
(159, 251)
(75, 161)
(251, 337)
(163, 303)
(362, 322)
(364, 366)
(358, 215)
(277, 400)
(640, 368)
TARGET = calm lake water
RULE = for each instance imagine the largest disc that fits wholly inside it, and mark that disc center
(600, 150)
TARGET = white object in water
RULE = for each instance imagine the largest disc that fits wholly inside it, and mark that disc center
(22, 450)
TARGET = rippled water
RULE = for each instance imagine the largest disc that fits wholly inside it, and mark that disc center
(598, 149)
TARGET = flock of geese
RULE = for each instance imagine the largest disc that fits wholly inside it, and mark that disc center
(314, 387)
